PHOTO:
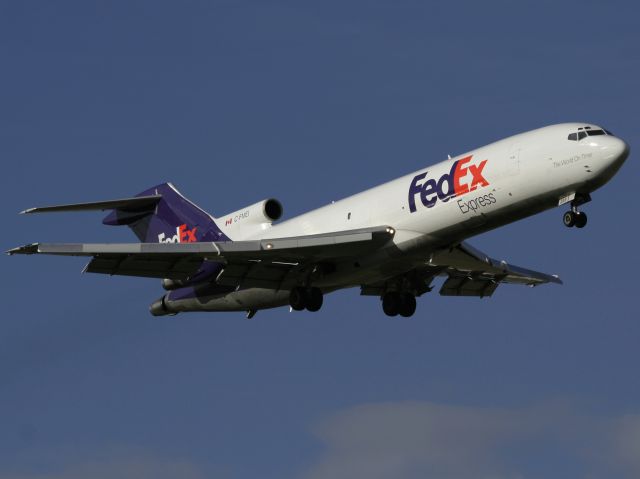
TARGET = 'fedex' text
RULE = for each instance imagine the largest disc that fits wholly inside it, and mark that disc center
(461, 179)
(183, 235)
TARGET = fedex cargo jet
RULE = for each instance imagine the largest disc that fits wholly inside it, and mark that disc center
(391, 241)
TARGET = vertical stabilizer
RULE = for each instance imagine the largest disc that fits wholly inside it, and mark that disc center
(172, 219)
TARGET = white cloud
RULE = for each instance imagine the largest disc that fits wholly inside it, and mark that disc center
(412, 440)
(407, 440)
(625, 444)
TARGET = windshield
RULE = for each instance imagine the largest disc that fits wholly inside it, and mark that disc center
(587, 131)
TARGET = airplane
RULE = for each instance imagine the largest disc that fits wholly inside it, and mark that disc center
(391, 241)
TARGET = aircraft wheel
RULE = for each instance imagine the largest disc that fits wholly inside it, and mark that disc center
(391, 303)
(314, 299)
(569, 219)
(298, 298)
(581, 220)
(408, 305)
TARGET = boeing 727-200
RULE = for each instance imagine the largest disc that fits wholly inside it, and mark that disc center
(391, 241)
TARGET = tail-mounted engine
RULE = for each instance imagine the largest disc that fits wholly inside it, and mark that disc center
(251, 220)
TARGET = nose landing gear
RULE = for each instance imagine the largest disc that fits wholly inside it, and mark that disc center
(574, 217)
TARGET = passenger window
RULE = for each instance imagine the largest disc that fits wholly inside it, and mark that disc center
(573, 136)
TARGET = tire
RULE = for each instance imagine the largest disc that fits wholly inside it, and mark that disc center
(408, 305)
(581, 220)
(569, 219)
(391, 303)
(314, 299)
(297, 299)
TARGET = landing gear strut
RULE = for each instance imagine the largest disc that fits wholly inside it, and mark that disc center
(309, 298)
(394, 303)
(574, 217)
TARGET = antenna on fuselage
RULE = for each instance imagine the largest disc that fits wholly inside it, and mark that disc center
(449, 156)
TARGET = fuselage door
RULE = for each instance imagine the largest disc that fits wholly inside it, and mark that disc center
(513, 160)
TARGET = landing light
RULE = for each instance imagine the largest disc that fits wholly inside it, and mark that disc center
(391, 231)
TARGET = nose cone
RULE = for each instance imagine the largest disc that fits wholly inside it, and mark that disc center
(619, 153)
(610, 152)
(613, 150)
(624, 150)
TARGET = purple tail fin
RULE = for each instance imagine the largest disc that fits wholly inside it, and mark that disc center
(174, 219)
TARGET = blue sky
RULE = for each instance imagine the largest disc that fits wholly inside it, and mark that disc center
(310, 102)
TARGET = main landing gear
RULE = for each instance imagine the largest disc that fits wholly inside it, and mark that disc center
(305, 298)
(395, 302)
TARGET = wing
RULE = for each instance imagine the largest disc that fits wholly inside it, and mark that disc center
(275, 257)
(469, 272)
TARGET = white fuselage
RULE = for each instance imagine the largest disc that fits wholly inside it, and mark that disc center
(446, 203)
(526, 173)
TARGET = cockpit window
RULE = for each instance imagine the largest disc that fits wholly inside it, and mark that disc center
(585, 131)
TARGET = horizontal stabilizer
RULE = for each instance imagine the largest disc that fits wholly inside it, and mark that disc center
(139, 203)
